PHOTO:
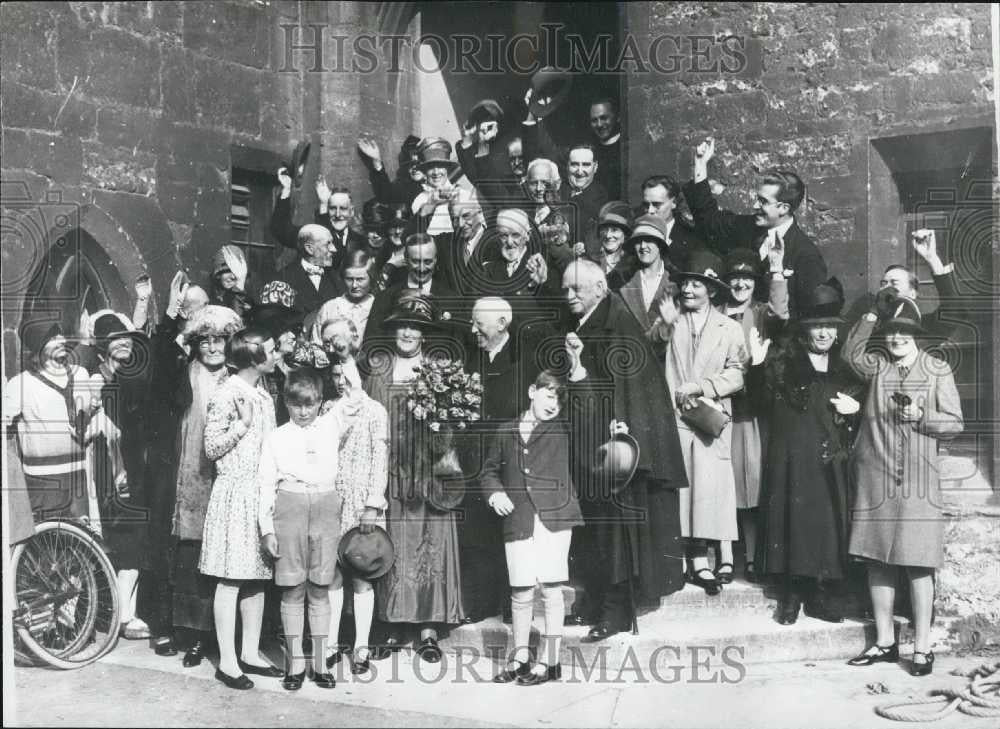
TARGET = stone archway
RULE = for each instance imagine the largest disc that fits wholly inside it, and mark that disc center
(89, 262)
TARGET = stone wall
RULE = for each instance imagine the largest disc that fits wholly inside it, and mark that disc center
(122, 117)
(817, 83)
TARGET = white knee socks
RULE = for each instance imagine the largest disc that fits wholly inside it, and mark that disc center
(522, 601)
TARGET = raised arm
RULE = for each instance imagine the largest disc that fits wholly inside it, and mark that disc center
(863, 364)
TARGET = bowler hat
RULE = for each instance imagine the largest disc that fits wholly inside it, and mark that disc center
(551, 83)
(299, 157)
(411, 308)
(741, 262)
(408, 154)
(615, 213)
(618, 459)
(397, 215)
(373, 215)
(485, 110)
(703, 266)
(822, 305)
(905, 315)
(368, 556)
(435, 152)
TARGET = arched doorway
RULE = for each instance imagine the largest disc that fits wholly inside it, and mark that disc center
(76, 274)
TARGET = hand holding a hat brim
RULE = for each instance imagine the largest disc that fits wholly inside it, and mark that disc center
(616, 427)
(702, 154)
(910, 412)
(574, 348)
(469, 130)
(924, 242)
(285, 180)
(269, 543)
(368, 520)
(758, 348)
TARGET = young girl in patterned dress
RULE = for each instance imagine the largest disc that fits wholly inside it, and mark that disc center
(240, 415)
(361, 482)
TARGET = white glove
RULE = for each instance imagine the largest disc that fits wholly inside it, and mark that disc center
(845, 404)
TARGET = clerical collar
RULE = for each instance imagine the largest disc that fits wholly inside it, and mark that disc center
(611, 140)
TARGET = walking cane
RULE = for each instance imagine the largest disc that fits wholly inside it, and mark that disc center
(631, 591)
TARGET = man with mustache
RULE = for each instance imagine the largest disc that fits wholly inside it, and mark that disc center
(771, 225)
(312, 275)
(584, 196)
(336, 210)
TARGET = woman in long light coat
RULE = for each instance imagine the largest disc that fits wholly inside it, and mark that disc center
(706, 358)
(896, 520)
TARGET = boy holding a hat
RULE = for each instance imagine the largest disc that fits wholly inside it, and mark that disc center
(527, 474)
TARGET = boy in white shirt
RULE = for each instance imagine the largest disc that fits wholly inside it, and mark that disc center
(300, 520)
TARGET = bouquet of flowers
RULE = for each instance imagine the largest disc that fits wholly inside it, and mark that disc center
(445, 395)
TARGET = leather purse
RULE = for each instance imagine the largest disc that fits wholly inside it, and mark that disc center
(706, 418)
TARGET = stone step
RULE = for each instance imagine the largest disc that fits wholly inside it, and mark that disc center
(692, 601)
(666, 640)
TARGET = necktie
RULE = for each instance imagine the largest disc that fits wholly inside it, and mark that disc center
(770, 241)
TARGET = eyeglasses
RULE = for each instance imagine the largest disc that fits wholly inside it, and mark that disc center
(213, 341)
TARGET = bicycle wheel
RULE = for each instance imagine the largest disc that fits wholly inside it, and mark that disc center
(68, 611)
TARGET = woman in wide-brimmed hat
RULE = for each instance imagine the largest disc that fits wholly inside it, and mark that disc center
(807, 395)
(743, 271)
(181, 473)
(897, 522)
(705, 364)
(432, 205)
(121, 383)
(423, 588)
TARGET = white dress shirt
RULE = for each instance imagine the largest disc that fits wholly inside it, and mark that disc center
(303, 460)
(773, 235)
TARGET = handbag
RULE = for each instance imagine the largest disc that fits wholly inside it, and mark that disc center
(707, 418)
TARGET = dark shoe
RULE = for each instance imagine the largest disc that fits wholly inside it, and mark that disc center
(334, 658)
(293, 681)
(601, 631)
(469, 620)
(380, 652)
(194, 655)
(429, 650)
(709, 584)
(240, 683)
(522, 668)
(553, 673)
(164, 646)
(724, 578)
(324, 680)
(788, 610)
(267, 671)
(360, 667)
(820, 609)
(924, 668)
(573, 619)
(876, 654)
(750, 572)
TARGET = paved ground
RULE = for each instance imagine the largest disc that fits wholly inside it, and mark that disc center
(133, 687)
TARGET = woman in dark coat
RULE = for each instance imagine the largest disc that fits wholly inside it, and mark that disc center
(424, 586)
(807, 394)
(119, 455)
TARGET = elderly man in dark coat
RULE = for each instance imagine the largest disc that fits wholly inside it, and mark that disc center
(633, 536)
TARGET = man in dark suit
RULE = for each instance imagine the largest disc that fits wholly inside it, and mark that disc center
(420, 274)
(632, 537)
(583, 197)
(460, 255)
(770, 226)
(336, 210)
(660, 196)
(311, 275)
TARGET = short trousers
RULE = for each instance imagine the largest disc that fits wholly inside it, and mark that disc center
(307, 526)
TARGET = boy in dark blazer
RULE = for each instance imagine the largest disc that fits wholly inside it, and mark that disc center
(527, 474)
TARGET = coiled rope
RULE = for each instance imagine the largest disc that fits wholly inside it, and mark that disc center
(980, 698)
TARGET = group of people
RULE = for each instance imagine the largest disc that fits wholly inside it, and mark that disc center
(647, 389)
